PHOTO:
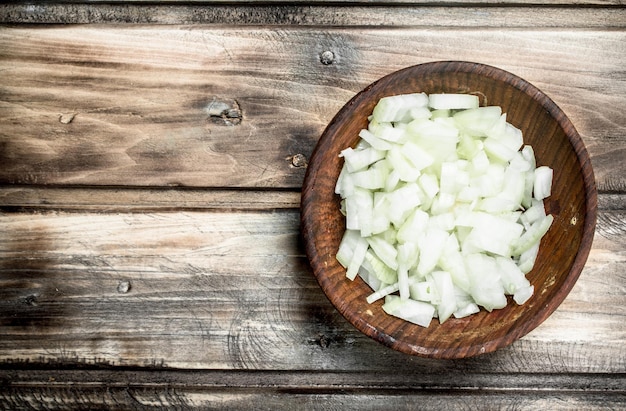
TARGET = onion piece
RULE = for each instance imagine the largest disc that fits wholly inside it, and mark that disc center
(444, 207)
(452, 101)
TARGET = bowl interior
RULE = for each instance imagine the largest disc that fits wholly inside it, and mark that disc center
(563, 250)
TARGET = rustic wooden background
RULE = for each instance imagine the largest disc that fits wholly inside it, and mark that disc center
(151, 162)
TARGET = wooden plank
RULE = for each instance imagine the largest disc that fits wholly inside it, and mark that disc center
(288, 390)
(222, 290)
(323, 3)
(73, 398)
(429, 13)
(199, 106)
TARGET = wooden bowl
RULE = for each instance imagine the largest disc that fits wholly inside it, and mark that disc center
(563, 251)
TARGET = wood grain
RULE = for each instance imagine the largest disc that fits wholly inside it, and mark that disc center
(429, 13)
(353, 3)
(292, 390)
(151, 157)
(215, 290)
(112, 106)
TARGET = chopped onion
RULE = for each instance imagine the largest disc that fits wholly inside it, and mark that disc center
(452, 101)
(444, 207)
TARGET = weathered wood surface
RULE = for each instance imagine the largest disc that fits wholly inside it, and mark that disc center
(208, 290)
(260, 4)
(215, 290)
(149, 193)
(310, 391)
(189, 106)
(472, 13)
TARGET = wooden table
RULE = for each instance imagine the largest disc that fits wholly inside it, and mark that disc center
(152, 157)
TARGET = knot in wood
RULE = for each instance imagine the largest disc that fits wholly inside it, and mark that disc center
(31, 300)
(66, 118)
(324, 341)
(224, 112)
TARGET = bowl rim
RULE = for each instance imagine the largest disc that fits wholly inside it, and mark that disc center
(589, 187)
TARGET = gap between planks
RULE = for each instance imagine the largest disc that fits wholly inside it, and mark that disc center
(15, 198)
(325, 381)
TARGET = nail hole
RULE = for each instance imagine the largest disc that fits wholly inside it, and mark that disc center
(123, 286)
(298, 160)
(31, 300)
(327, 57)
